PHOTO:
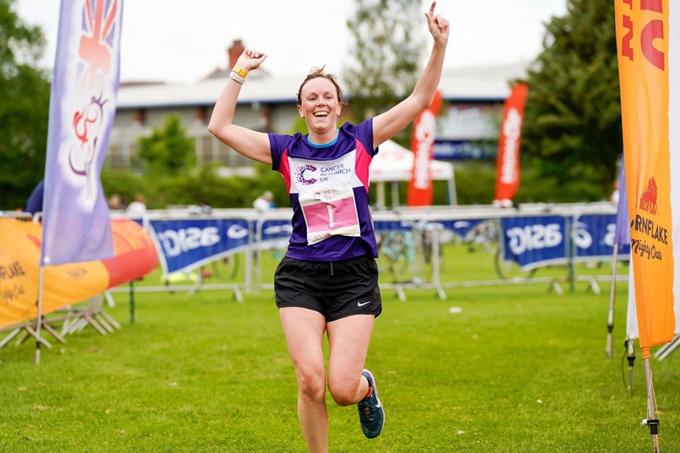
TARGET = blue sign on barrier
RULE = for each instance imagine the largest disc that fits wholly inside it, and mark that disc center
(138, 220)
(593, 236)
(393, 225)
(534, 241)
(187, 244)
(464, 150)
(462, 228)
(276, 229)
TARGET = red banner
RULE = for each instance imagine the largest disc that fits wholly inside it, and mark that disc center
(422, 143)
(507, 160)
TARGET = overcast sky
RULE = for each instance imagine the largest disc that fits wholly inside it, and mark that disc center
(180, 40)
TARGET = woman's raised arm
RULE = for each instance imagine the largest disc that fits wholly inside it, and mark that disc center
(250, 143)
(388, 124)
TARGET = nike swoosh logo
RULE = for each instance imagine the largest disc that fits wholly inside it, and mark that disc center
(361, 304)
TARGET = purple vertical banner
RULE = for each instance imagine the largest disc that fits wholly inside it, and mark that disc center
(76, 221)
(622, 236)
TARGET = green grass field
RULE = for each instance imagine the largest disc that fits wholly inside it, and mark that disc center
(518, 370)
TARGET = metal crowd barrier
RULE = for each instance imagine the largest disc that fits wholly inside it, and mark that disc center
(269, 231)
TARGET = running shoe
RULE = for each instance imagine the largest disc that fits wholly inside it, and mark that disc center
(371, 412)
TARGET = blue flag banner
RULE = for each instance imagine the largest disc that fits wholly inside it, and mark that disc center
(76, 222)
(186, 244)
(534, 241)
(594, 237)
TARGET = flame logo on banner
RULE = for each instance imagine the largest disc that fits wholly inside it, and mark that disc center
(648, 197)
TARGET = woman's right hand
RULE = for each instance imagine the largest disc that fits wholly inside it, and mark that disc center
(251, 59)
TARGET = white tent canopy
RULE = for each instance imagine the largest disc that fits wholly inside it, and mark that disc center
(394, 163)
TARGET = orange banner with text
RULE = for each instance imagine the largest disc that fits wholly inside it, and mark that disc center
(507, 158)
(420, 192)
(642, 34)
(65, 284)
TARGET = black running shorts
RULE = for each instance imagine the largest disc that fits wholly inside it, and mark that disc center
(334, 289)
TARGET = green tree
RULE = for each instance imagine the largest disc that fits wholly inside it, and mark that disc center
(168, 150)
(24, 108)
(386, 48)
(572, 132)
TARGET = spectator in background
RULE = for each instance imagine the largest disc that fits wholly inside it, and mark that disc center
(614, 197)
(137, 207)
(115, 202)
(264, 202)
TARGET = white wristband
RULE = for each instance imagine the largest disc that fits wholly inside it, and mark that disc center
(236, 77)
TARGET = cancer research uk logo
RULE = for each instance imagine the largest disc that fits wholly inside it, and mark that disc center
(657, 234)
(304, 174)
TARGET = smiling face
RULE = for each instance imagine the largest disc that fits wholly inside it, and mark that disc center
(319, 105)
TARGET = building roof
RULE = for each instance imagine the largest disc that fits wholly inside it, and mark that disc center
(481, 83)
(474, 83)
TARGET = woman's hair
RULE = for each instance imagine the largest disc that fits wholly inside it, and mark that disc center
(319, 72)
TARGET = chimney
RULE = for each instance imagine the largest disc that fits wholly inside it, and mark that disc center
(234, 52)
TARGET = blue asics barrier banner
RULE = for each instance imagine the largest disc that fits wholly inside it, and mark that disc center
(274, 234)
(186, 244)
(275, 230)
(534, 241)
(464, 229)
(594, 235)
(392, 225)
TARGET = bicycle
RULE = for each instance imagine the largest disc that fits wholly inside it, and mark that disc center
(398, 248)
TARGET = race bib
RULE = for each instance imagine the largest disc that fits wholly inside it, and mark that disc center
(330, 211)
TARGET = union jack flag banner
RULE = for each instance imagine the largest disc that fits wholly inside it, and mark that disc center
(76, 225)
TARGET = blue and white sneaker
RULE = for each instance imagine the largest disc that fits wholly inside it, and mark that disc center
(371, 412)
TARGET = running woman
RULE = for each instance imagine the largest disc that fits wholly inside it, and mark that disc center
(328, 281)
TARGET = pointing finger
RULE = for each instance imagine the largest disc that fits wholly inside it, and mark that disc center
(430, 13)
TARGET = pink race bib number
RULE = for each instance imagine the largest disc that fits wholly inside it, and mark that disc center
(330, 212)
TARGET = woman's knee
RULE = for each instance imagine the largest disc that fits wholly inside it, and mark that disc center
(344, 390)
(311, 382)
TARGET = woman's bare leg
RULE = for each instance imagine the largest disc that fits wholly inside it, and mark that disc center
(348, 338)
(304, 331)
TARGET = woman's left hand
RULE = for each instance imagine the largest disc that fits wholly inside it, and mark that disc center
(439, 27)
